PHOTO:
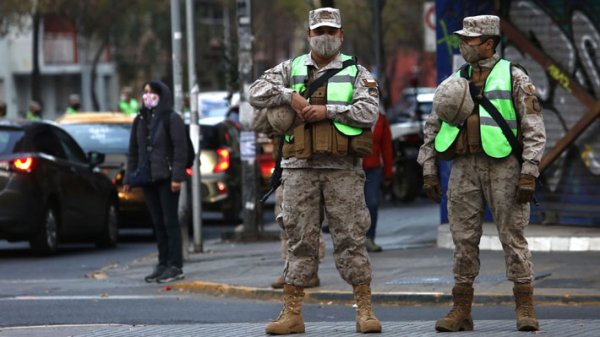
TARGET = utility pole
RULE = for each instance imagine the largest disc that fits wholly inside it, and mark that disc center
(195, 131)
(178, 100)
(251, 205)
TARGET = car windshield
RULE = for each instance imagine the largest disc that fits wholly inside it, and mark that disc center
(106, 138)
(11, 141)
(212, 108)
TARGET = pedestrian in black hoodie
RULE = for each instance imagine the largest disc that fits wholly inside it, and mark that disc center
(166, 152)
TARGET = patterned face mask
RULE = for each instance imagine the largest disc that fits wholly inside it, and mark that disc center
(325, 45)
(150, 100)
(470, 53)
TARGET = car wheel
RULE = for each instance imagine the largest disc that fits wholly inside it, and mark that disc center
(110, 232)
(46, 240)
(407, 182)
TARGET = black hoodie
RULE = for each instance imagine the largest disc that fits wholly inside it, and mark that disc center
(168, 156)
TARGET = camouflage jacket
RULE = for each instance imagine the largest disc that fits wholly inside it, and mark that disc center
(529, 114)
(272, 89)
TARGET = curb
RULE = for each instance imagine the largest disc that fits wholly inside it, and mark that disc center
(540, 239)
(383, 298)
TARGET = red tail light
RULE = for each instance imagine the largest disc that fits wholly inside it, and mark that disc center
(118, 178)
(266, 168)
(222, 160)
(189, 171)
(23, 164)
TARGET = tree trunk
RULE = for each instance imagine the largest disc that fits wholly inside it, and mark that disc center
(36, 83)
(94, 73)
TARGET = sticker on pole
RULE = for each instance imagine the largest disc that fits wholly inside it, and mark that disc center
(248, 145)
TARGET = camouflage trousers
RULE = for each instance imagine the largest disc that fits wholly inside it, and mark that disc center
(283, 236)
(340, 194)
(474, 180)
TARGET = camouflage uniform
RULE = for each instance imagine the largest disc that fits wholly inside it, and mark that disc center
(476, 178)
(333, 182)
(284, 236)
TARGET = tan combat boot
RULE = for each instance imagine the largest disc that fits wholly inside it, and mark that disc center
(365, 319)
(526, 320)
(459, 318)
(290, 318)
(278, 283)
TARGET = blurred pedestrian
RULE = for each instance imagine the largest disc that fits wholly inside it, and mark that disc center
(164, 151)
(127, 103)
(35, 111)
(490, 164)
(2, 109)
(74, 104)
(378, 168)
(321, 164)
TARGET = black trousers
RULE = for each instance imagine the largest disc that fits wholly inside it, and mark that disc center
(163, 204)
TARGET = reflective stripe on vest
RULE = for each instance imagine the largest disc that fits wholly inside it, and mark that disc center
(498, 89)
(340, 88)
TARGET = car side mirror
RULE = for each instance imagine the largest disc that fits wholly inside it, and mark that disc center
(95, 158)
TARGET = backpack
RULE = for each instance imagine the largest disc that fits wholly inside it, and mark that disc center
(189, 162)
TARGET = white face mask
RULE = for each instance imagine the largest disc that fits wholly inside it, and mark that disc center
(325, 45)
(469, 53)
(150, 100)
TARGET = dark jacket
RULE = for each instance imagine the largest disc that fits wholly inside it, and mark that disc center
(168, 156)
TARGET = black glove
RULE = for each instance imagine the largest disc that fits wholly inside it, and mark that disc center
(431, 186)
(526, 188)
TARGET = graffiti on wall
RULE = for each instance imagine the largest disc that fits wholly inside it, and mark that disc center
(566, 34)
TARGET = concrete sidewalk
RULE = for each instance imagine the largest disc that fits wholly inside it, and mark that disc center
(411, 269)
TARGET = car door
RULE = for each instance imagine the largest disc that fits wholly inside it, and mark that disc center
(61, 182)
(89, 199)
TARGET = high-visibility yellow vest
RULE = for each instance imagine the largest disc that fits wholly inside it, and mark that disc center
(340, 88)
(498, 89)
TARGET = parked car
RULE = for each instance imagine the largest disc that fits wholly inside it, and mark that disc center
(406, 126)
(220, 168)
(219, 160)
(109, 132)
(51, 191)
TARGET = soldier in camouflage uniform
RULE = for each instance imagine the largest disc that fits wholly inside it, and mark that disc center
(485, 170)
(322, 166)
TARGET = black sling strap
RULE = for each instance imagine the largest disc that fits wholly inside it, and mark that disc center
(326, 76)
(275, 180)
(493, 111)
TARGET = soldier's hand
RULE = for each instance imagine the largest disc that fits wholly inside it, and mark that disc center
(526, 188)
(314, 113)
(431, 187)
(298, 103)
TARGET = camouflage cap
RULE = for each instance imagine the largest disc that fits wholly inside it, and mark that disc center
(452, 100)
(474, 26)
(325, 16)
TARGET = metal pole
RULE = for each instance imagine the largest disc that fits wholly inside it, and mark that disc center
(252, 207)
(178, 97)
(195, 131)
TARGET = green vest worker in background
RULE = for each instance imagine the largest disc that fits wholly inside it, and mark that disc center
(74, 104)
(127, 103)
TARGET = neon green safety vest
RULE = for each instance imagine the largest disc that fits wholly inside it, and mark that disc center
(340, 88)
(498, 89)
